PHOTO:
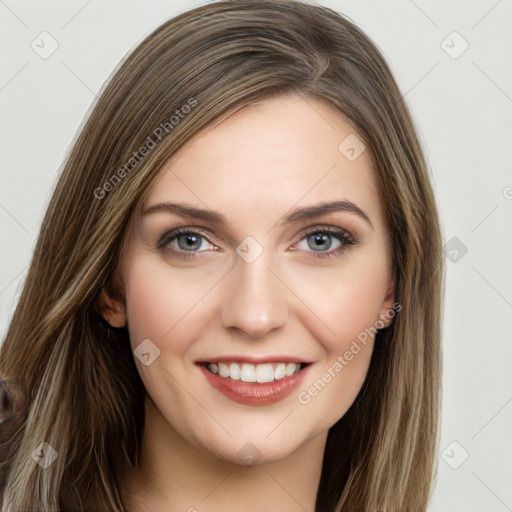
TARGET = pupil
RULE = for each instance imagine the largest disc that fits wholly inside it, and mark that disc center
(319, 242)
(186, 242)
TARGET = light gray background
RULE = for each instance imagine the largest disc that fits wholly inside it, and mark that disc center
(462, 104)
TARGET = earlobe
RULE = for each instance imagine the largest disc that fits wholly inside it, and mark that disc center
(112, 310)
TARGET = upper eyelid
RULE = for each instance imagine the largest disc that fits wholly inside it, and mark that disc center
(327, 229)
(174, 233)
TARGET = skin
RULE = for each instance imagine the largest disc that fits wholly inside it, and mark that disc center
(254, 168)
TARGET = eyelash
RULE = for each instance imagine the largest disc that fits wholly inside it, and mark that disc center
(341, 234)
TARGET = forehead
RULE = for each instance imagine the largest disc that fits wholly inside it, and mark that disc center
(271, 155)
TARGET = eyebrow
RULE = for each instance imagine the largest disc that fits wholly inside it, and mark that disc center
(299, 214)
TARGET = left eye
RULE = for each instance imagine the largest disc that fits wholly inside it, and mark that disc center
(320, 242)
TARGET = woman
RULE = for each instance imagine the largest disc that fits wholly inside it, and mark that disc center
(235, 299)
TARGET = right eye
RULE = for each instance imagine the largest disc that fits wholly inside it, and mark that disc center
(185, 240)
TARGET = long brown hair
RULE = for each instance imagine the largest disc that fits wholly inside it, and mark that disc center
(71, 381)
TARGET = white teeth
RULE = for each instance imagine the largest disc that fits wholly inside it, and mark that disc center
(280, 371)
(265, 372)
(248, 373)
(290, 369)
(234, 371)
(223, 370)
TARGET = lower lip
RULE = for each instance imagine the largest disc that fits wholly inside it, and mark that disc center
(255, 393)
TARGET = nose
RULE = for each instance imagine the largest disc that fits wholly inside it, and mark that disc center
(256, 301)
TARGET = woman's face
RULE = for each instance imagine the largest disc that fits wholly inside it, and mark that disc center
(277, 274)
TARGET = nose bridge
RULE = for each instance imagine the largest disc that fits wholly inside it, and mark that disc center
(256, 301)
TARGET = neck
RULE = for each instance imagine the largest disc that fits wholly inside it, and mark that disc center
(175, 475)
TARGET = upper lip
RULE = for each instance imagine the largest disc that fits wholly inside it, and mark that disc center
(255, 359)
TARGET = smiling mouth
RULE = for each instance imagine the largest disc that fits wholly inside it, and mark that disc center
(259, 373)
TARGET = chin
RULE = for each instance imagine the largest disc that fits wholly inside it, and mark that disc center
(257, 452)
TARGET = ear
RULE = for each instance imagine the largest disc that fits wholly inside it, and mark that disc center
(387, 311)
(111, 309)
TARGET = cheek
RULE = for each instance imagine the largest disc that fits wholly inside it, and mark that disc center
(165, 306)
(345, 300)
(346, 304)
(161, 303)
